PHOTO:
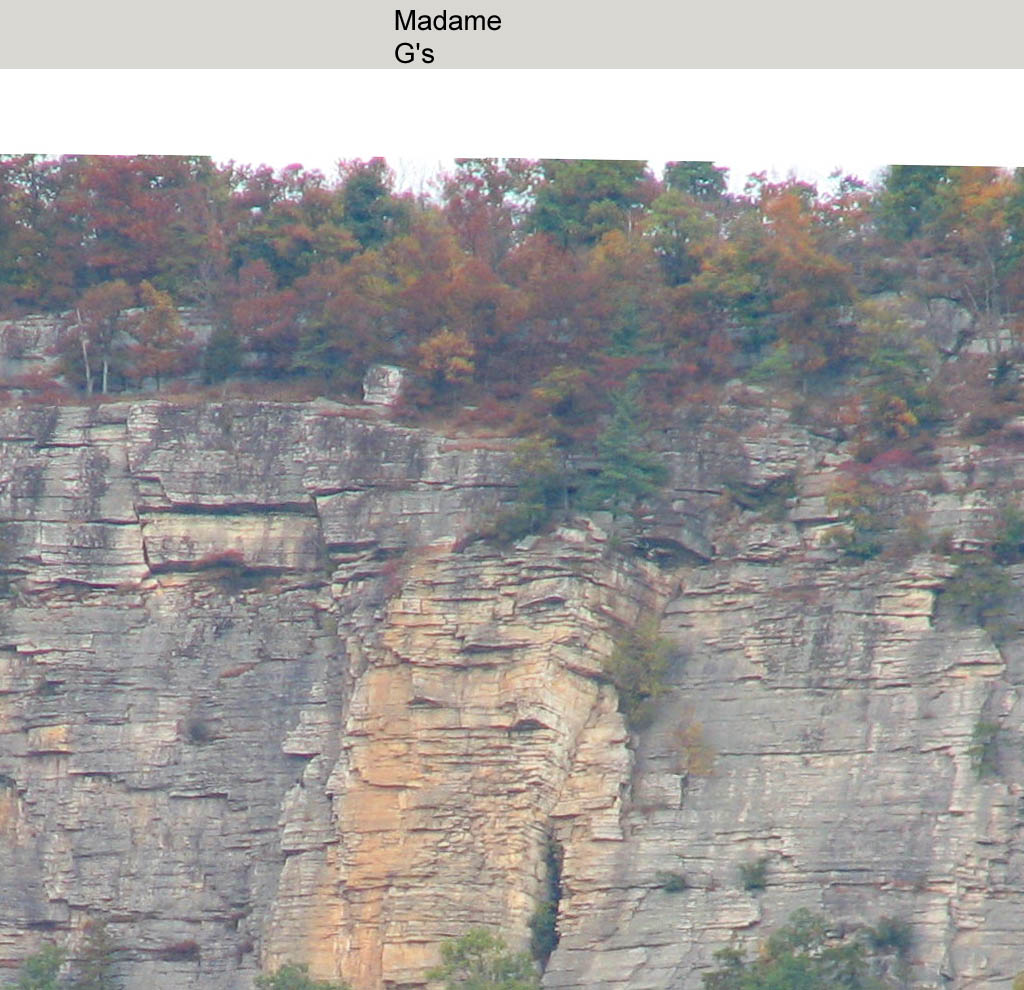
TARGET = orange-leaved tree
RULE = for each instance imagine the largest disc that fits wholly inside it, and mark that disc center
(163, 345)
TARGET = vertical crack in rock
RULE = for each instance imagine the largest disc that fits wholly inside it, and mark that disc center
(480, 716)
(253, 700)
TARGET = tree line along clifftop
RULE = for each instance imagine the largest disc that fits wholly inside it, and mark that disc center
(535, 293)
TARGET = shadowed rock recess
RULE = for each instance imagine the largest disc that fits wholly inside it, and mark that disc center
(262, 698)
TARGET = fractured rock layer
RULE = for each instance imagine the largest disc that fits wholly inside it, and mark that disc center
(479, 725)
(261, 698)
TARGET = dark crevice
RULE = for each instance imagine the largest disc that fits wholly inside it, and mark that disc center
(544, 935)
(232, 509)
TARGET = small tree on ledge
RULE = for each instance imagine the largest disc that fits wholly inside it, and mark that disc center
(295, 976)
(41, 970)
(639, 667)
(480, 960)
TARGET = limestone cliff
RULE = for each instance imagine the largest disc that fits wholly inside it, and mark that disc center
(263, 698)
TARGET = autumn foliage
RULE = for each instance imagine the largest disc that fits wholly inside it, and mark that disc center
(532, 291)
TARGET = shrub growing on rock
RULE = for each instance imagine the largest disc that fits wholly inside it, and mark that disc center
(99, 954)
(754, 875)
(858, 504)
(891, 934)
(799, 956)
(627, 472)
(671, 881)
(544, 921)
(984, 749)
(692, 755)
(1008, 540)
(295, 976)
(981, 593)
(541, 474)
(544, 931)
(41, 970)
(480, 960)
(638, 667)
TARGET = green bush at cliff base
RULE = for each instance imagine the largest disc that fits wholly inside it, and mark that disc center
(802, 955)
(41, 970)
(295, 976)
(544, 931)
(480, 960)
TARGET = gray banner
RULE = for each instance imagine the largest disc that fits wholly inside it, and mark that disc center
(533, 34)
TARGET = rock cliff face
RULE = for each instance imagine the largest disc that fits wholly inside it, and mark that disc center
(262, 698)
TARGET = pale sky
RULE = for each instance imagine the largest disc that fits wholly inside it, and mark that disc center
(807, 121)
(417, 174)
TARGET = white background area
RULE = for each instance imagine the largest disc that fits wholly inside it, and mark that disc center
(809, 121)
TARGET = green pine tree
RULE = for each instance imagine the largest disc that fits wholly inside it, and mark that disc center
(627, 471)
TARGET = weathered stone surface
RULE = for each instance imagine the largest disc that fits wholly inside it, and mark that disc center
(840, 706)
(480, 726)
(170, 665)
(260, 692)
(382, 384)
(279, 541)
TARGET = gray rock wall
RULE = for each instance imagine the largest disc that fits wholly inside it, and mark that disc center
(172, 676)
(833, 707)
(259, 700)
